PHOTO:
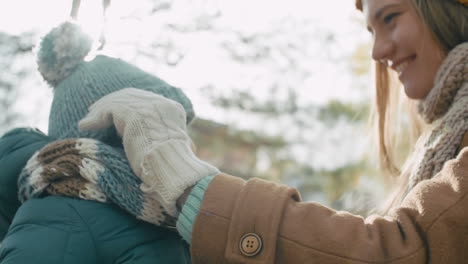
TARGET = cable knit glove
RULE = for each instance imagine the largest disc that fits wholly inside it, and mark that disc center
(155, 140)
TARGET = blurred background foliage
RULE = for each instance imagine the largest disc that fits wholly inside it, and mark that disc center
(263, 110)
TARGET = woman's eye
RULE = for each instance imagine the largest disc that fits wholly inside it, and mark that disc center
(389, 18)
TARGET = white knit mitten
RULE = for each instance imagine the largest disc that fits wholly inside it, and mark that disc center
(155, 140)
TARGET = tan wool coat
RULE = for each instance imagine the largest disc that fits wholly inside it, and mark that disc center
(431, 226)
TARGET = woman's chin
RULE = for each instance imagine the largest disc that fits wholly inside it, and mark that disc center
(415, 93)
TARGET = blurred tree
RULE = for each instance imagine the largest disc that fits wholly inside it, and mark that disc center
(279, 132)
(14, 69)
(290, 136)
(335, 110)
(233, 151)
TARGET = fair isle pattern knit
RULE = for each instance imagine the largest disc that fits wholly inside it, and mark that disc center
(88, 169)
(446, 109)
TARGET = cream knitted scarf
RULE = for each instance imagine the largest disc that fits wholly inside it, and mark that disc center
(446, 110)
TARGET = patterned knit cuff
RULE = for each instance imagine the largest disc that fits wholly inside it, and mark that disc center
(191, 208)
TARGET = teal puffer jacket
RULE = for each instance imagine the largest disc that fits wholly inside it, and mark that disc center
(61, 230)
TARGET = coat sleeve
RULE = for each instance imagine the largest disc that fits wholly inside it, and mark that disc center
(431, 224)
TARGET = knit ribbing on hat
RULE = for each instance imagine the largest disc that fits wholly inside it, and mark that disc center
(78, 83)
(91, 81)
(446, 108)
(90, 170)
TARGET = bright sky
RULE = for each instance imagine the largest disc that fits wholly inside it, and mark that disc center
(21, 15)
(204, 60)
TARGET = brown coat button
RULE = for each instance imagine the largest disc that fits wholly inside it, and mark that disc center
(250, 244)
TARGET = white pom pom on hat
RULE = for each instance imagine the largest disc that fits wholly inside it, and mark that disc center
(61, 51)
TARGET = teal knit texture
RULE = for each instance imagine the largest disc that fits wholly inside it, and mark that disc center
(93, 80)
(191, 208)
(78, 83)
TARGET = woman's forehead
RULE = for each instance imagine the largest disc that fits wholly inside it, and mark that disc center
(374, 8)
(373, 4)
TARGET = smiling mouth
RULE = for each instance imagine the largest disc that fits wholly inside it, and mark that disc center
(401, 67)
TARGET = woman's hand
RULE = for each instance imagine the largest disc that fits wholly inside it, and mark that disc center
(156, 143)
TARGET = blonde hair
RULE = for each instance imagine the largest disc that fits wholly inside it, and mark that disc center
(448, 23)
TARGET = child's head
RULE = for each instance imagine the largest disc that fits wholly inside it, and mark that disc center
(78, 83)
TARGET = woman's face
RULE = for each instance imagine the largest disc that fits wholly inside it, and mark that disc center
(401, 41)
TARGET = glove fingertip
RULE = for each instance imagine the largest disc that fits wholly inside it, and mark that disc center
(85, 125)
(92, 124)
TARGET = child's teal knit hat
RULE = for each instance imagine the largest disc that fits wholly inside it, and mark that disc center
(78, 84)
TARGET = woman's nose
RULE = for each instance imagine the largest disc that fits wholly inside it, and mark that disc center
(382, 49)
